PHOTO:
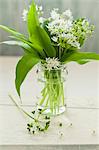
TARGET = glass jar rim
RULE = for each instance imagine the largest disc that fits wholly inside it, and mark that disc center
(61, 67)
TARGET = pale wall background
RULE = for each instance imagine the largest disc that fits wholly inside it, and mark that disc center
(11, 13)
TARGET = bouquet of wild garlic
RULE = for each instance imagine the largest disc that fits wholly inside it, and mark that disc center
(58, 37)
(52, 42)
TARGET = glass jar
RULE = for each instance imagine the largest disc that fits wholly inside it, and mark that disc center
(52, 99)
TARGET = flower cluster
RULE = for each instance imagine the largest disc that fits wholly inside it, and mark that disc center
(39, 10)
(40, 123)
(24, 14)
(52, 63)
(65, 32)
(60, 23)
(82, 29)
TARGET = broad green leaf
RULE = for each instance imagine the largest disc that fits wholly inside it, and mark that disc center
(82, 61)
(13, 32)
(25, 41)
(32, 28)
(81, 57)
(25, 46)
(24, 65)
(46, 42)
(33, 21)
(30, 44)
(38, 35)
(17, 35)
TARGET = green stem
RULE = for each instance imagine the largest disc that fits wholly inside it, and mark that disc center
(59, 53)
(20, 108)
(53, 92)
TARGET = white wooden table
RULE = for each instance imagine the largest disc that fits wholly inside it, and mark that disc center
(82, 90)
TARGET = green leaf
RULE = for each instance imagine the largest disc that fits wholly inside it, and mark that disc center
(25, 41)
(38, 35)
(32, 24)
(24, 65)
(34, 49)
(81, 57)
(81, 41)
(82, 62)
(18, 36)
(67, 54)
(25, 46)
(12, 31)
(45, 24)
(33, 21)
(46, 42)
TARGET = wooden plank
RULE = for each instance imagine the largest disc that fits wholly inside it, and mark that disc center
(84, 123)
(35, 147)
(89, 147)
(48, 147)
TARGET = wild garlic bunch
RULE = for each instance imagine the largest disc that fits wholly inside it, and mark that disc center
(52, 42)
(66, 32)
(55, 40)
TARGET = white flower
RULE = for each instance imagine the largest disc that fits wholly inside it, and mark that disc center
(58, 23)
(74, 43)
(83, 22)
(68, 36)
(41, 20)
(68, 25)
(54, 38)
(54, 14)
(65, 31)
(70, 39)
(36, 7)
(52, 63)
(24, 14)
(68, 14)
(39, 9)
